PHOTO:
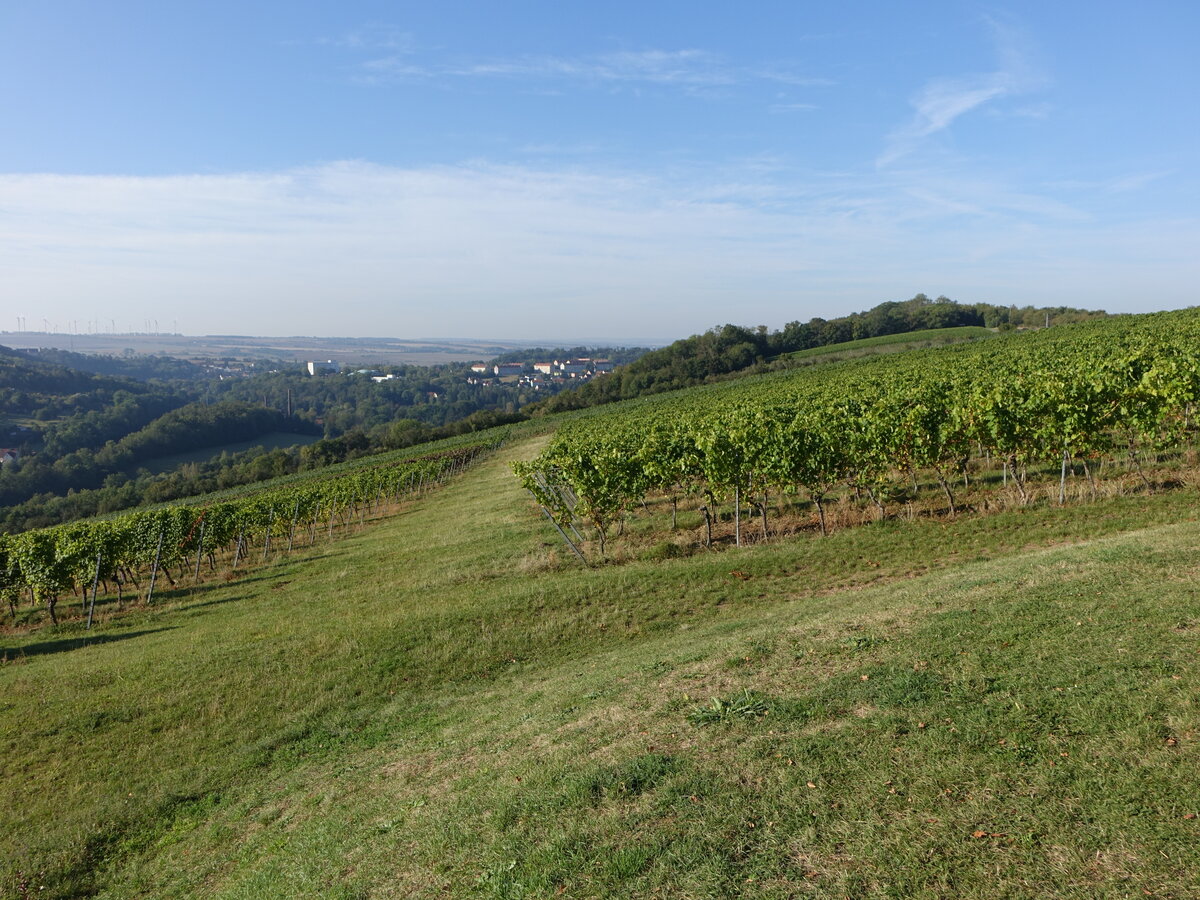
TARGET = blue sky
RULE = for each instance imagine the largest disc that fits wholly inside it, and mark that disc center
(584, 171)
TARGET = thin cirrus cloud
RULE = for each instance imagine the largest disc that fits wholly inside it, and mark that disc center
(1135, 182)
(938, 104)
(373, 37)
(943, 100)
(688, 68)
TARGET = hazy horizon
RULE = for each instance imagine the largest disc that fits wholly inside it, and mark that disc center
(422, 339)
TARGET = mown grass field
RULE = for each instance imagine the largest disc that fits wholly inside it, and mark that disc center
(447, 704)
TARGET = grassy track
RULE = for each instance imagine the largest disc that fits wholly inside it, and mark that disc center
(447, 705)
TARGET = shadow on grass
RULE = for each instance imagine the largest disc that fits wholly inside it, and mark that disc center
(63, 645)
(178, 597)
(181, 593)
(186, 607)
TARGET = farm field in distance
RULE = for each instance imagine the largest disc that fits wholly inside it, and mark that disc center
(292, 349)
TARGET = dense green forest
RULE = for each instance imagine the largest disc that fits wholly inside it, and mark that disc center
(179, 430)
(142, 367)
(126, 414)
(42, 392)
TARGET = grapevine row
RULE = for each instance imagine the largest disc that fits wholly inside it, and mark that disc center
(1126, 385)
(140, 547)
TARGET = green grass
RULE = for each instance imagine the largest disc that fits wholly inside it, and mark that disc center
(892, 343)
(447, 705)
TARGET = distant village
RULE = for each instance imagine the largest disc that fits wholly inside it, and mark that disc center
(539, 375)
(549, 375)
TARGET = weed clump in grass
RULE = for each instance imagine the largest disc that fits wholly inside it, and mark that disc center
(746, 704)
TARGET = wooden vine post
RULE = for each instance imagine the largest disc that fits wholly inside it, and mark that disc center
(95, 585)
(154, 568)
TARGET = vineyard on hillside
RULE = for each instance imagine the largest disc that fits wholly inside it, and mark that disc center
(242, 526)
(1026, 411)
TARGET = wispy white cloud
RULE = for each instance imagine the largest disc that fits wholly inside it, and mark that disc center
(689, 69)
(373, 37)
(792, 107)
(943, 100)
(985, 199)
(396, 67)
(1117, 184)
(496, 251)
(786, 75)
(1135, 182)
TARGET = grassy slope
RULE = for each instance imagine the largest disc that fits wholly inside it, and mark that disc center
(894, 343)
(438, 707)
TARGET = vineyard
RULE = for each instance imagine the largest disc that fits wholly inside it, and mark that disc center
(1018, 417)
(988, 690)
(124, 557)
